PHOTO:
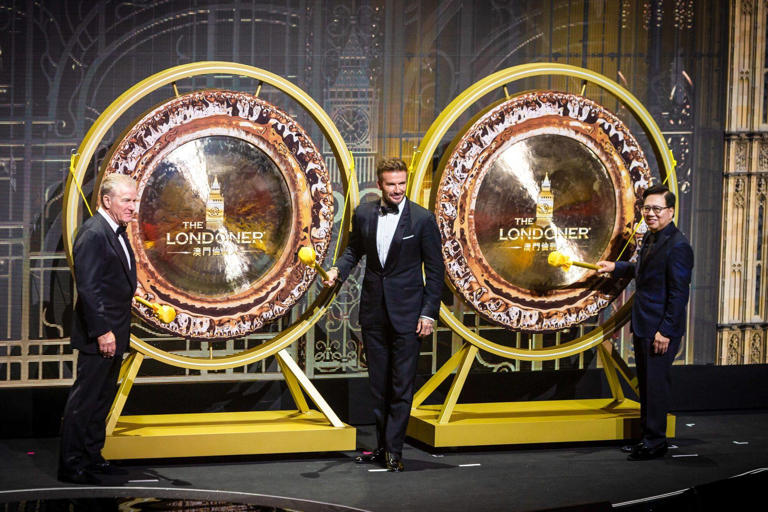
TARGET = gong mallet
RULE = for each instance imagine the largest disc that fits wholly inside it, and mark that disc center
(163, 312)
(558, 259)
(308, 257)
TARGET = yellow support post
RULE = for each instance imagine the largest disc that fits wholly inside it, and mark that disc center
(294, 387)
(623, 368)
(610, 373)
(128, 371)
(457, 385)
(311, 391)
(440, 375)
(124, 366)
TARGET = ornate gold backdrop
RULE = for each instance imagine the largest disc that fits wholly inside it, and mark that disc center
(382, 70)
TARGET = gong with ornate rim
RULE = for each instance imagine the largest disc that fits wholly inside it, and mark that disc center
(229, 188)
(540, 172)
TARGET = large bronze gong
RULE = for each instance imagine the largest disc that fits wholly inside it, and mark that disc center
(230, 187)
(540, 172)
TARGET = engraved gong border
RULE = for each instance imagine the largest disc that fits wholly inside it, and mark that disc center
(464, 167)
(215, 112)
(443, 123)
(89, 145)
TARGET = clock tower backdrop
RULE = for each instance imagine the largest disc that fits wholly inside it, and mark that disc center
(352, 103)
(384, 70)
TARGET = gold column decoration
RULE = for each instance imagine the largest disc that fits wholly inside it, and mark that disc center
(743, 308)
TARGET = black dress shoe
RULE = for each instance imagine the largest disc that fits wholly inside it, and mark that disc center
(375, 457)
(104, 467)
(393, 463)
(648, 453)
(77, 476)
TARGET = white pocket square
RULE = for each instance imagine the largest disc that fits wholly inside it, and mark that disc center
(407, 237)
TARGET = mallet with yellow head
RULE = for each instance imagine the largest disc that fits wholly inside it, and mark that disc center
(163, 312)
(558, 259)
(308, 257)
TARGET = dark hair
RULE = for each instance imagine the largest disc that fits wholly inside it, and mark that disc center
(669, 197)
(388, 165)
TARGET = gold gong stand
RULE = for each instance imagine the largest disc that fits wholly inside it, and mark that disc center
(454, 424)
(232, 433)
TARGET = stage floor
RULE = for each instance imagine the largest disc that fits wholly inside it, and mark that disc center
(709, 447)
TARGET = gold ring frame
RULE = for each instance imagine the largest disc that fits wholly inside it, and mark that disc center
(167, 77)
(461, 104)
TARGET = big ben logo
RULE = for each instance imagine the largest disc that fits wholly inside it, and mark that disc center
(545, 204)
(539, 233)
(214, 208)
(212, 238)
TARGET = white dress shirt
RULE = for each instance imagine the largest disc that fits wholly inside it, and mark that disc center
(386, 231)
(114, 225)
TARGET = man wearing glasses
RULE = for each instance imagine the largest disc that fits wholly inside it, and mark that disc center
(662, 279)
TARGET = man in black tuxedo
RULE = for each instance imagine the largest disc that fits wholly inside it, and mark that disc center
(662, 280)
(105, 277)
(397, 236)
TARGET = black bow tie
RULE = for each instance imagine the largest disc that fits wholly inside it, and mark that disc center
(120, 230)
(385, 209)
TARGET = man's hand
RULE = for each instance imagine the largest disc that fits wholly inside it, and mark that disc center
(333, 274)
(604, 267)
(107, 344)
(424, 327)
(660, 343)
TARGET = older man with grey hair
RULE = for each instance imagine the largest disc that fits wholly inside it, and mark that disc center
(105, 277)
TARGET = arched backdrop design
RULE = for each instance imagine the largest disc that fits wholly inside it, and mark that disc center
(398, 63)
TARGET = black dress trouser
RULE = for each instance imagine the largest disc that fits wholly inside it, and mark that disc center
(654, 381)
(83, 428)
(392, 363)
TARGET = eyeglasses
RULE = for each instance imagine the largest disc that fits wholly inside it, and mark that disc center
(655, 209)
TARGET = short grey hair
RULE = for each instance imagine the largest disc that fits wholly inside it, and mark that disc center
(112, 181)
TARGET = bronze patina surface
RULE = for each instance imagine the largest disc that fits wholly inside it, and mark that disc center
(223, 254)
(230, 187)
(581, 225)
(540, 172)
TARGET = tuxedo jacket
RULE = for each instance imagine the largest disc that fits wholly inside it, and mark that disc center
(399, 285)
(105, 287)
(662, 281)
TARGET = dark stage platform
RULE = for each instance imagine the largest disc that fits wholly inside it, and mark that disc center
(710, 447)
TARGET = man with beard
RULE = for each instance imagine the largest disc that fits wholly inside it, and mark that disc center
(397, 306)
